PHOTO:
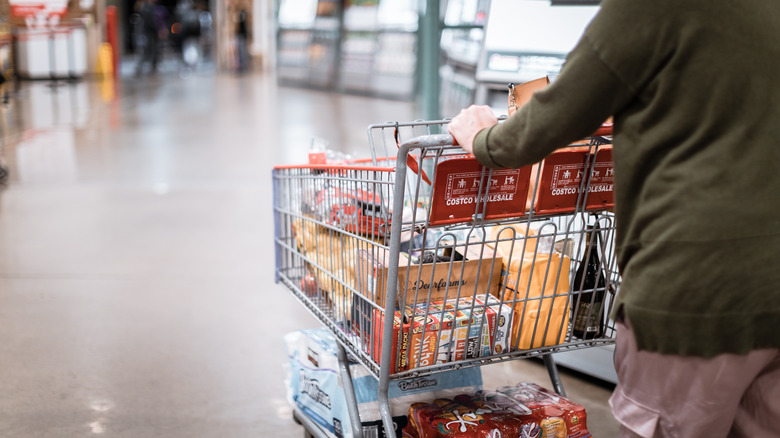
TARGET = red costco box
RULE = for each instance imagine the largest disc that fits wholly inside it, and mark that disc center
(561, 183)
(463, 188)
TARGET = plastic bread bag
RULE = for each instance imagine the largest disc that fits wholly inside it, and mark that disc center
(535, 280)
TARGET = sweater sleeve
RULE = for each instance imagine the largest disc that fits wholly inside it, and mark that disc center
(573, 107)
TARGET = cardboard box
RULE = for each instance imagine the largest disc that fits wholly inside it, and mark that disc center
(400, 357)
(462, 187)
(561, 188)
(484, 329)
(428, 282)
(558, 189)
(446, 331)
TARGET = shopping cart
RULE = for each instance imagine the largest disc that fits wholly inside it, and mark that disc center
(420, 261)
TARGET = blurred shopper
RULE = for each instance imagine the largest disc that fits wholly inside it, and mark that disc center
(151, 29)
(4, 101)
(206, 31)
(188, 18)
(242, 38)
(4, 84)
(693, 88)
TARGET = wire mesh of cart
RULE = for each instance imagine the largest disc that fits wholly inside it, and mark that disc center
(420, 260)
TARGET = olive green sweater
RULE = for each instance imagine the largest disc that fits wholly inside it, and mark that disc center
(694, 87)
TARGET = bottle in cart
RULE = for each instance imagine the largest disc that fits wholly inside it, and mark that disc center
(589, 290)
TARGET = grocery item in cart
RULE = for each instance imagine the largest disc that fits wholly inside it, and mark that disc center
(332, 257)
(589, 290)
(543, 403)
(466, 416)
(466, 328)
(314, 388)
(525, 410)
(463, 189)
(426, 282)
(354, 210)
(535, 281)
(576, 177)
(445, 331)
(561, 188)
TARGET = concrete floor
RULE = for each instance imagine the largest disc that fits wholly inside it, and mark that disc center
(136, 269)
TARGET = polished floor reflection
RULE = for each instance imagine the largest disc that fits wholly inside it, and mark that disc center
(136, 262)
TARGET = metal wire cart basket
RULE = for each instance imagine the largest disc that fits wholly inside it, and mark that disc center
(419, 260)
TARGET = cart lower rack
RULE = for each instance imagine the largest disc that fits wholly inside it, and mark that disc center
(419, 260)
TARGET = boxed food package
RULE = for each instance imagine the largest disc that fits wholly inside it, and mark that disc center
(463, 187)
(313, 386)
(525, 410)
(426, 282)
(472, 327)
(561, 188)
(446, 331)
(535, 281)
(558, 188)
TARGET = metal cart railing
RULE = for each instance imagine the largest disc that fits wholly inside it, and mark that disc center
(421, 261)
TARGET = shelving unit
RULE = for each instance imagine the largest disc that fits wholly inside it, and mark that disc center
(461, 44)
(395, 60)
(370, 48)
(308, 37)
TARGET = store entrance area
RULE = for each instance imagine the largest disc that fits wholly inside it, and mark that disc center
(137, 293)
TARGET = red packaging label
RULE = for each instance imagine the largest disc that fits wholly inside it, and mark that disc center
(457, 197)
(561, 185)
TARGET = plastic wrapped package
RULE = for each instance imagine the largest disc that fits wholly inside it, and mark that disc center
(536, 280)
(526, 410)
(332, 254)
(314, 387)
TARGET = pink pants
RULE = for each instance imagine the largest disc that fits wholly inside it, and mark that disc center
(660, 395)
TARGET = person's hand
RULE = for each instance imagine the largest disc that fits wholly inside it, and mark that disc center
(465, 126)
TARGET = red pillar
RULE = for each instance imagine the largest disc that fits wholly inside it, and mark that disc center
(112, 36)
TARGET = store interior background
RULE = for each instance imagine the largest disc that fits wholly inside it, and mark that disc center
(136, 231)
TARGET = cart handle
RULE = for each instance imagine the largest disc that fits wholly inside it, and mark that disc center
(431, 140)
(448, 140)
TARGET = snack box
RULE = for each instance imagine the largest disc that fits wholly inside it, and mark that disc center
(445, 331)
(478, 326)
